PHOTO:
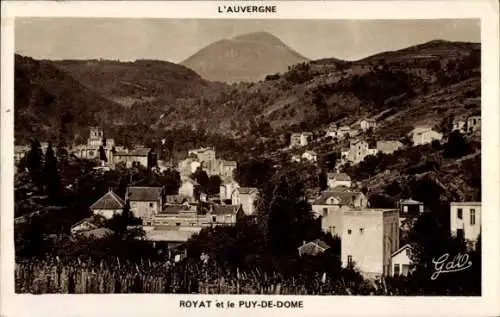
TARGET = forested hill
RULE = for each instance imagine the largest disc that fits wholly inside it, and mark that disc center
(49, 103)
(138, 82)
(420, 84)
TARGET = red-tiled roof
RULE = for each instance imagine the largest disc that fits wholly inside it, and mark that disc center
(144, 193)
(109, 201)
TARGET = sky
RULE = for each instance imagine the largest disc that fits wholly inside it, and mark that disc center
(175, 40)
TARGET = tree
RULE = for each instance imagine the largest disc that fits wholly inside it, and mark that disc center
(457, 146)
(102, 154)
(152, 160)
(214, 183)
(34, 162)
(51, 173)
(201, 177)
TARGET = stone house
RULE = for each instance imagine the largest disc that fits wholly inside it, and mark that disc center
(109, 205)
(388, 147)
(401, 261)
(410, 207)
(246, 197)
(473, 123)
(346, 132)
(136, 157)
(423, 135)
(366, 124)
(313, 248)
(145, 202)
(338, 179)
(359, 150)
(300, 139)
(330, 204)
(465, 220)
(368, 240)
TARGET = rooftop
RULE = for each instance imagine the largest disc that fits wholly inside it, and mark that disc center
(247, 190)
(134, 152)
(322, 244)
(344, 197)
(465, 203)
(110, 200)
(339, 176)
(225, 209)
(144, 193)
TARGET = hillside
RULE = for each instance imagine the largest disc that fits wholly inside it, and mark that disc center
(406, 89)
(50, 103)
(417, 85)
(248, 57)
(135, 83)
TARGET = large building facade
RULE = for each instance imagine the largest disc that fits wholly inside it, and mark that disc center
(465, 220)
(368, 240)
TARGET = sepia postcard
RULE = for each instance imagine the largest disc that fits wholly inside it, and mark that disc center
(221, 158)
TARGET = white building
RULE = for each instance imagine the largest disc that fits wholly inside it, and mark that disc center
(366, 124)
(108, 205)
(358, 151)
(145, 202)
(368, 240)
(338, 179)
(423, 135)
(388, 147)
(465, 220)
(330, 205)
(300, 139)
(401, 261)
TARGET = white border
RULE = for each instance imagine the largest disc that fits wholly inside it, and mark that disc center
(157, 305)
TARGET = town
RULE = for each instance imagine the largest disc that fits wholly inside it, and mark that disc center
(241, 166)
(370, 238)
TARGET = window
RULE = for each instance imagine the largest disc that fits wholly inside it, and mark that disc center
(325, 212)
(405, 269)
(459, 213)
(460, 234)
(349, 260)
(473, 216)
(214, 218)
(396, 269)
(361, 230)
(151, 205)
(349, 231)
(177, 224)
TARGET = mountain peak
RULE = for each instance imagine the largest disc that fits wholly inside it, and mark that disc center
(246, 57)
(261, 36)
